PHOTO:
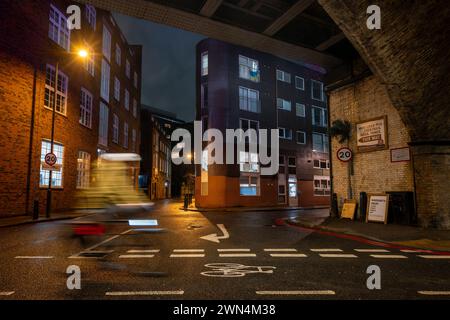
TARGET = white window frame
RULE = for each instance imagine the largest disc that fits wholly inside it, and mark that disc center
(245, 100)
(125, 135)
(58, 30)
(300, 110)
(323, 116)
(57, 176)
(285, 130)
(321, 190)
(283, 76)
(91, 16)
(86, 103)
(105, 80)
(83, 170)
(61, 93)
(106, 43)
(246, 66)
(249, 177)
(321, 161)
(116, 126)
(204, 62)
(325, 144)
(283, 104)
(321, 90)
(304, 136)
(297, 78)
(117, 89)
(103, 125)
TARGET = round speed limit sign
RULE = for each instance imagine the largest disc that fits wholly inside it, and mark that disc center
(344, 154)
(50, 159)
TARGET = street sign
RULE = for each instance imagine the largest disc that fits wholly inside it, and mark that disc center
(55, 167)
(344, 154)
(50, 159)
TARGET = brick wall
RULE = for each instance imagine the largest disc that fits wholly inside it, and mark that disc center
(373, 171)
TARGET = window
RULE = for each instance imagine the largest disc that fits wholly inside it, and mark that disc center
(283, 76)
(317, 90)
(57, 176)
(300, 110)
(125, 135)
(61, 90)
(91, 16)
(86, 108)
(248, 162)
(299, 83)
(127, 100)
(128, 69)
(104, 90)
(248, 69)
(106, 47)
(285, 133)
(320, 142)
(204, 95)
(116, 89)
(248, 99)
(58, 30)
(204, 64)
(115, 137)
(319, 116)
(283, 104)
(249, 184)
(103, 125)
(134, 108)
(321, 164)
(246, 124)
(118, 55)
(292, 166)
(322, 185)
(83, 170)
(301, 137)
(136, 79)
(133, 140)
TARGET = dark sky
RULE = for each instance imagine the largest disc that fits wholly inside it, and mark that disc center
(168, 64)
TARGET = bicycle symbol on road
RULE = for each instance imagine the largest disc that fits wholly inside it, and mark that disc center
(234, 270)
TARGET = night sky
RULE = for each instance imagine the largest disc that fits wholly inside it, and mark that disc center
(168, 64)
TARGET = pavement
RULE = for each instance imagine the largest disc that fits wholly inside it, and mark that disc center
(211, 255)
(56, 216)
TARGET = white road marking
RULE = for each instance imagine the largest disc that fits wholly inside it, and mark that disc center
(144, 293)
(136, 256)
(189, 250)
(297, 292)
(187, 255)
(143, 251)
(233, 250)
(237, 255)
(107, 240)
(280, 250)
(288, 255)
(371, 250)
(326, 250)
(34, 257)
(337, 255)
(411, 251)
(434, 256)
(7, 293)
(388, 256)
(214, 237)
(434, 293)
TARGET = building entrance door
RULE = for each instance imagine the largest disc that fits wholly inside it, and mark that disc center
(292, 189)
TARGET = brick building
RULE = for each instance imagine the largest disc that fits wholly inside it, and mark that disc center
(97, 100)
(238, 87)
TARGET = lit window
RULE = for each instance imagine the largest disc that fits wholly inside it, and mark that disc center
(58, 30)
(248, 99)
(86, 108)
(115, 138)
(299, 83)
(283, 104)
(91, 16)
(106, 47)
(204, 174)
(61, 90)
(283, 76)
(317, 90)
(104, 90)
(300, 110)
(320, 142)
(249, 69)
(204, 63)
(249, 184)
(83, 169)
(248, 162)
(57, 175)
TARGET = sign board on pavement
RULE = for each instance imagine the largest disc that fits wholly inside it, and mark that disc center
(377, 208)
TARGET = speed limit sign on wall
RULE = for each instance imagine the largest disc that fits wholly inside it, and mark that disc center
(344, 154)
(50, 159)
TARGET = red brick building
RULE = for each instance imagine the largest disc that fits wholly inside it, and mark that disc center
(97, 100)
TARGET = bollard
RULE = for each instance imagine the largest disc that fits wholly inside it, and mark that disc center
(186, 199)
(36, 210)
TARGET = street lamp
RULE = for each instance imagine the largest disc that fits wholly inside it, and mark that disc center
(82, 53)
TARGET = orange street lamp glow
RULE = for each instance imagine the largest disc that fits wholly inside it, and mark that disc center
(83, 53)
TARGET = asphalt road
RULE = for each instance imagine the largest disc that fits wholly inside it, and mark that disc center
(179, 264)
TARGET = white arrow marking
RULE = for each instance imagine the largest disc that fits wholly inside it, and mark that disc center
(214, 237)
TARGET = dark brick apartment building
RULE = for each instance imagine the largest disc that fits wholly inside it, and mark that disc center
(239, 87)
(97, 100)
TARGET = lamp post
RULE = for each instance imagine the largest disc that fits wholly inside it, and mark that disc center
(83, 54)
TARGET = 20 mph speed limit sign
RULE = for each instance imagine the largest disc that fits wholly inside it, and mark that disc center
(344, 154)
(50, 159)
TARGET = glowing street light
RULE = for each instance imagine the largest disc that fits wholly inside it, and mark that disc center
(83, 53)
